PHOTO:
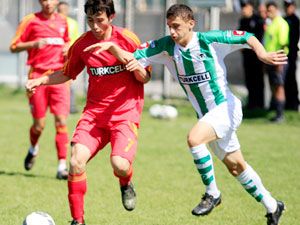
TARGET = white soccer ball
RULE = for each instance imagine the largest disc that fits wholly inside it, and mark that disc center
(38, 218)
(155, 110)
(169, 112)
(163, 111)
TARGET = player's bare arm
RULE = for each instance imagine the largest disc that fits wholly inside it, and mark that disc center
(66, 49)
(22, 46)
(271, 58)
(123, 56)
(54, 78)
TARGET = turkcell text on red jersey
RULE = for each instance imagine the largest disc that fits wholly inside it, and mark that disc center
(107, 70)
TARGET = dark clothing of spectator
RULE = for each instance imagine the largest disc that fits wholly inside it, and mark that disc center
(253, 68)
(291, 87)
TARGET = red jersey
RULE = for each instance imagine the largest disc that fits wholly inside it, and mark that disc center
(114, 94)
(34, 27)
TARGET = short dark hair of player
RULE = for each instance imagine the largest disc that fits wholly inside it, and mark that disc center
(271, 3)
(93, 7)
(180, 10)
(246, 3)
(63, 3)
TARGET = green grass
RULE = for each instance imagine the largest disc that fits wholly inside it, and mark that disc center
(167, 183)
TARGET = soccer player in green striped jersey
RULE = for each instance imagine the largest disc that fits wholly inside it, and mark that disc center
(196, 61)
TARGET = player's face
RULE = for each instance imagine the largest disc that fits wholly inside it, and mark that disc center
(247, 11)
(180, 30)
(290, 10)
(48, 6)
(272, 12)
(100, 24)
(63, 9)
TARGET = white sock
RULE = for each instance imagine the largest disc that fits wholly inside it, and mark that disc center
(34, 150)
(62, 165)
(253, 185)
(204, 164)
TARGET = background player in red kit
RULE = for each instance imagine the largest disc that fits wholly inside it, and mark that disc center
(115, 100)
(44, 35)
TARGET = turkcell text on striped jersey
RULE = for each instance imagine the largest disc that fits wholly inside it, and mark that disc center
(195, 78)
(107, 70)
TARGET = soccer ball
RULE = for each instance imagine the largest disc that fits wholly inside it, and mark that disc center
(163, 111)
(38, 218)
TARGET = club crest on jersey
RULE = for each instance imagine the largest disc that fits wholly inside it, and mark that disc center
(238, 33)
(144, 45)
(195, 78)
(107, 70)
(147, 44)
(201, 57)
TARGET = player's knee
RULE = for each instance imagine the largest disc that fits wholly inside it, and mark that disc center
(235, 168)
(38, 128)
(193, 140)
(77, 165)
(120, 165)
(61, 123)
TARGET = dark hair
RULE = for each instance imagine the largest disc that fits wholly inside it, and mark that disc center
(271, 3)
(246, 3)
(180, 10)
(95, 6)
(287, 3)
(63, 3)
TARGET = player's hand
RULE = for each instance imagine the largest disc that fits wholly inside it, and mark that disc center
(274, 58)
(99, 47)
(40, 43)
(132, 65)
(32, 84)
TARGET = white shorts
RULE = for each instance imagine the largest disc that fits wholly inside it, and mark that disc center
(225, 119)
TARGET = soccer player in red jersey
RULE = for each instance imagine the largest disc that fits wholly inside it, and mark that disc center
(44, 35)
(114, 104)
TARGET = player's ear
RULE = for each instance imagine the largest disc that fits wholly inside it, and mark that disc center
(192, 23)
(111, 17)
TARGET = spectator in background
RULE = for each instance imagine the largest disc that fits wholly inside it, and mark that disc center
(262, 11)
(44, 35)
(276, 37)
(291, 87)
(253, 68)
(64, 8)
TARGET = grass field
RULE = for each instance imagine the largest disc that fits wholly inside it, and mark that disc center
(167, 183)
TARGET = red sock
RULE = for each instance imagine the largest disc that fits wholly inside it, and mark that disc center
(61, 140)
(77, 189)
(34, 136)
(125, 180)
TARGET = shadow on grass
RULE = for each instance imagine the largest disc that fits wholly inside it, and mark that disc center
(255, 113)
(7, 173)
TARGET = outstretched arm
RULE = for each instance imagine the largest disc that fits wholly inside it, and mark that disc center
(271, 58)
(21, 46)
(123, 56)
(54, 78)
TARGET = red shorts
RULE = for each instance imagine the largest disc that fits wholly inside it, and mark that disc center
(122, 136)
(57, 97)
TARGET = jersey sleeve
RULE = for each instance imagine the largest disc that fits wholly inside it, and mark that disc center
(74, 63)
(228, 36)
(132, 40)
(22, 33)
(226, 42)
(283, 36)
(155, 52)
(67, 32)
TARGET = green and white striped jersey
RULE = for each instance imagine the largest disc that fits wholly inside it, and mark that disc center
(199, 67)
